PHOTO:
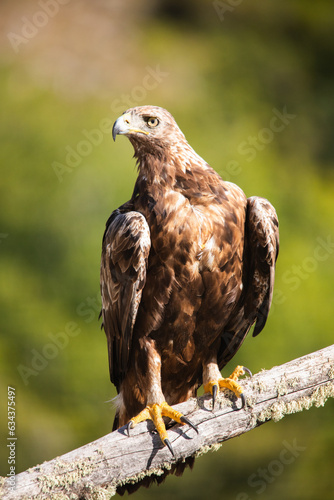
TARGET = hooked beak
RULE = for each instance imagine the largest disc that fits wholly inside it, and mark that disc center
(122, 126)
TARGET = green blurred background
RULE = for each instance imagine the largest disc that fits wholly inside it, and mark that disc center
(224, 70)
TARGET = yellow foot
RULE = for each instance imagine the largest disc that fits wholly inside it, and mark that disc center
(155, 412)
(228, 383)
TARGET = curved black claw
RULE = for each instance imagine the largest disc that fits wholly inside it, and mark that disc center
(128, 427)
(246, 370)
(243, 400)
(185, 420)
(214, 395)
(167, 443)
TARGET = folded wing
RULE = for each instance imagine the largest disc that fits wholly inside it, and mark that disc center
(260, 254)
(125, 249)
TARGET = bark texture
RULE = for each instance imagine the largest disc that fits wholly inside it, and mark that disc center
(96, 470)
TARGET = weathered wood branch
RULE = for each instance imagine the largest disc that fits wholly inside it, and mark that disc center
(95, 470)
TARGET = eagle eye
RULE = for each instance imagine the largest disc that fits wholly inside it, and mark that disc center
(152, 121)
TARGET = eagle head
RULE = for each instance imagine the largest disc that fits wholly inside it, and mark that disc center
(148, 128)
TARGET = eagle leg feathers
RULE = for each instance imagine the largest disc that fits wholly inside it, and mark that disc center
(212, 385)
(155, 412)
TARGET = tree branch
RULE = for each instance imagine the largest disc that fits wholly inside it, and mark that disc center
(98, 468)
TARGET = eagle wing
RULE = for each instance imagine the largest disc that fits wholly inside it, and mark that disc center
(260, 254)
(125, 249)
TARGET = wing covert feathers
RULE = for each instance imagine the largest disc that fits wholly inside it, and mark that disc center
(125, 249)
(260, 254)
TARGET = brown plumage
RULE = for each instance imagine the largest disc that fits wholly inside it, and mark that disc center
(187, 268)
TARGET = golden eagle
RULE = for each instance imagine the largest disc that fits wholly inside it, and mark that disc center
(188, 266)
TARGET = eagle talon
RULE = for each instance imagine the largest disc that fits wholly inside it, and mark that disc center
(231, 383)
(156, 412)
(129, 426)
(247, 371)
(185, 420)
(168, 444)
